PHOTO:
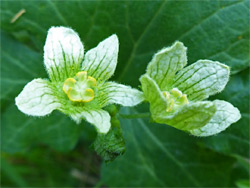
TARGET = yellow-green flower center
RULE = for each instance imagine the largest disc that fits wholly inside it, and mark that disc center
(175, 99)
(80, 88)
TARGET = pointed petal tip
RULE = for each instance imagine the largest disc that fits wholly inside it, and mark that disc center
(100, 62)
(114, 39)
(179, 44)
(237, 114)
(17, 102)
(114, 36)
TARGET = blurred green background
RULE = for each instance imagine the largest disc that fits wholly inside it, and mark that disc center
(55, 152)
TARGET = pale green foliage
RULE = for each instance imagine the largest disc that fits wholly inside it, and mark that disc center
(63, 54)
(165, 77)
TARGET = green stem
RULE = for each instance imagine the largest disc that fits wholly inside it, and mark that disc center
(135, 116)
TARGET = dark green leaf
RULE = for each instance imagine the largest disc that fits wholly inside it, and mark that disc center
(19, 65)
(20, 132)
(157, 155)
(218, 30)
(235, 140)
(161, 156)
(243, 183)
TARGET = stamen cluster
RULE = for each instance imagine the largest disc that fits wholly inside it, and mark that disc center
(175, 99)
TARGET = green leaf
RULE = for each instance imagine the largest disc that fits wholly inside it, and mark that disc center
(9, 171)
(141, 33)
(202, 79)
(160, 156)
(235, 140)
(243, 183)
(57, 130)
(22, 132)
(216, 30)
(15, 68)
(166, 63)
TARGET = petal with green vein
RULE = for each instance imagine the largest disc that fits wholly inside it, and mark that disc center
(225, 115)
(153, 94)
(63, 53)
(97, 117)
(202, 79)
(37, 98)
(189, 116)
(166, 63)
(100, 62)
(111, 92)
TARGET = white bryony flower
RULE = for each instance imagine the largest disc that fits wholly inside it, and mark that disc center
(77, 87)
(176, 94)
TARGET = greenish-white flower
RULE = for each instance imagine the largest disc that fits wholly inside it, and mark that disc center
(177, 94)
(77, 87)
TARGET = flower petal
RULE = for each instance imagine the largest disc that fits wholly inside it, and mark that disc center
(202, 79)
(225, 115)
(153, 94)
(100, 62)
(189, 116)
(166, 63)
(97, 117)
(37, 98)
(111, 92)
(63, 53)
